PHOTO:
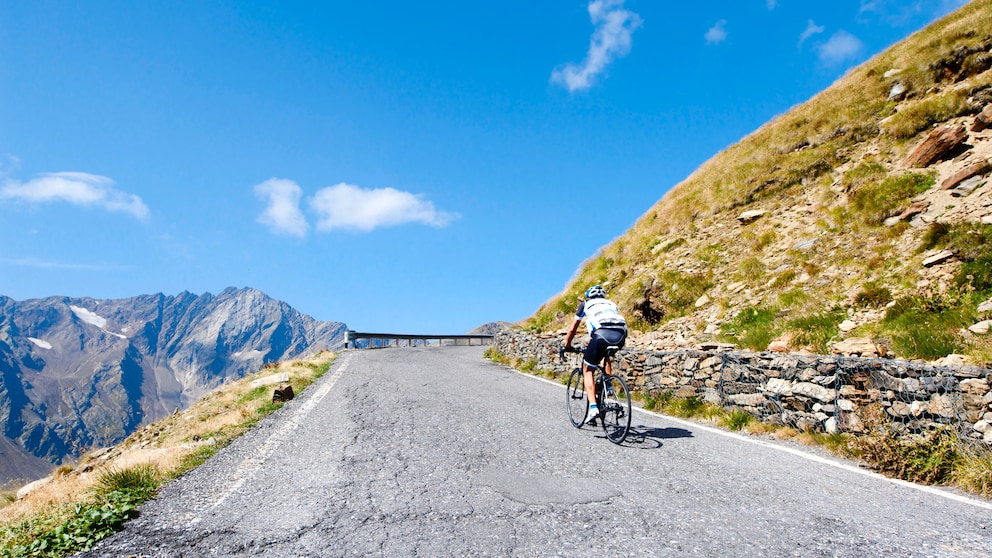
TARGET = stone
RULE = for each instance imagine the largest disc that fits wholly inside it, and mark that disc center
(937, 145)
(750, 216)
(779, 346)
(847, 325)
(892, 72)
(983, 426)
(712, 329)
(913, 210)
(968, 186)
(269, 380)
(283, 393)
(974, 169)
(804, 245)
(985, 306)
(748, 399)
(983, 120)
(938, 258)
(942, 405)
(975, 386)
(32, 486)
(987, 437)
(898, 91)
(858, 346)
(814, 391)
(779, 386)
(702, 301)
(951, 360)
(981, 328)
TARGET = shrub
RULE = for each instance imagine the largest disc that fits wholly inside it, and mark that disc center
(931, 459)
(738, 420)
(873, 295)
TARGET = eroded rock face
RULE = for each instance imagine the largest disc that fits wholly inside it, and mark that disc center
(79, 372)
(937, 145)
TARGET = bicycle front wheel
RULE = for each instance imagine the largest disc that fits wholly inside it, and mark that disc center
(616, 409)
(576, 401)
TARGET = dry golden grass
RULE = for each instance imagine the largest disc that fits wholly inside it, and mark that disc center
(168, 444)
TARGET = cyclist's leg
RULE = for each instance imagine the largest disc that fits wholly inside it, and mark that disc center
(594, 353)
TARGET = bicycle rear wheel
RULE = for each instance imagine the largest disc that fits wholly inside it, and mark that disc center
(576, 401)
(616, 409)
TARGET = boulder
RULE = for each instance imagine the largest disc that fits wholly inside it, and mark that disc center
(283, 393)
(858, 346)
(983, 120)
(968, 186)
(269, 380)
(750, 216)
(937, 145)
(985, 306)
(974, 169)
(981, 328)
(938, 258)
(847, 325)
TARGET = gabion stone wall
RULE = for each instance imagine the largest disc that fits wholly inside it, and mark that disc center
(808, 392)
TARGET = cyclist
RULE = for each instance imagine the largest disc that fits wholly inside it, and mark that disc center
(606, 327)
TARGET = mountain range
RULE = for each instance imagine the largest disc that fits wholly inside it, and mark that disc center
(78, 373)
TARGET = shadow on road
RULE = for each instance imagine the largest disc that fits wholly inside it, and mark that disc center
(646, 437)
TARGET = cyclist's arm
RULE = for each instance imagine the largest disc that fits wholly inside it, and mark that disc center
(571, 331)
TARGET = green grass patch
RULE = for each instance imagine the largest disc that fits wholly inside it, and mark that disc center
(925, 326)
(817, 330)
(877, 201)
(738, 420)
(753, 328)
(922, 115)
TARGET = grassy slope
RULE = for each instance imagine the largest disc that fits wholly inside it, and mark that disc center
(827, 172)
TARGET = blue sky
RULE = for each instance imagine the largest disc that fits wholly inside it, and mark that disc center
(399, 166)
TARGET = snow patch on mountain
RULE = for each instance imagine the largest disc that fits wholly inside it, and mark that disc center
(41, 343)
(94, 319)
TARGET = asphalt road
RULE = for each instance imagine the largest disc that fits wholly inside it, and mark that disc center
(438, 452)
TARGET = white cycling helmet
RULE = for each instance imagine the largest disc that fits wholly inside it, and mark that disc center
(596, 292)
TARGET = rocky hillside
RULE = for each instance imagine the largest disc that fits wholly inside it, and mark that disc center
(79, 372)
(864, 213)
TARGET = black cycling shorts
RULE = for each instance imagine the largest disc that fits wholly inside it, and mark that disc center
(601, 339)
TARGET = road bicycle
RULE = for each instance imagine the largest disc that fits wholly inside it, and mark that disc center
(612, 397)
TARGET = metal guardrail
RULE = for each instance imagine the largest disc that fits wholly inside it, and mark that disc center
(353, 340)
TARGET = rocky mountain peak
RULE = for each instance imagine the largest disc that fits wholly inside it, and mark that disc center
(83, 372)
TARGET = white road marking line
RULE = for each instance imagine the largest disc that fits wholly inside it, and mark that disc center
(252, 463)
(816, 458)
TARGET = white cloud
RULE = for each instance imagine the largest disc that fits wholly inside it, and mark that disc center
(283, 215)
(346, 206)
(717, 34)
(840, 47)
(771, 4)
(78, 188)
(811, 29)
(610, 39)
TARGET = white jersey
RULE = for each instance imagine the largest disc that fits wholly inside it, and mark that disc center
(600, 312)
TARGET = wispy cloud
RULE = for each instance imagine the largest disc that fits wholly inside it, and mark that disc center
(78, 188)
(840, 47)
(282, 215)
(771, 4)
(811, 29)
(610, 39)
(717, 34)
(346, 206)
